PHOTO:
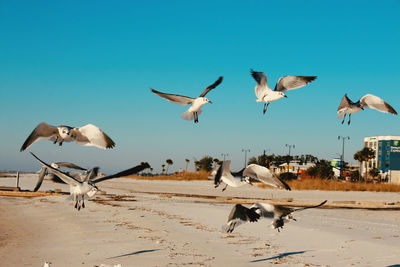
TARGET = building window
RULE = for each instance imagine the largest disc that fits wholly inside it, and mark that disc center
(387, 164)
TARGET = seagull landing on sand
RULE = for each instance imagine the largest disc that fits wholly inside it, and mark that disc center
(195, 103)
(79, 189)
(88, 135)
(266, 95)
(280, 214)
(43, 171)
(368, 101)
(251, 173)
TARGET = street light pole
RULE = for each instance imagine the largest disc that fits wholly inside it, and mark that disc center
(224, 155)
(342, 157)
(245, 156)
(290, 146)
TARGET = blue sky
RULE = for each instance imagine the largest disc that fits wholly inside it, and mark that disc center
(78, 62)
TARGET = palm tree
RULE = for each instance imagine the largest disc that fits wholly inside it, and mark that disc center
(368, 154)
(365, 155)
(359, 157)
(169, 162)
(187, 163)
(163, 168)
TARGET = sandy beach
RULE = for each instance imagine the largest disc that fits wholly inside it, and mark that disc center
(177, 223)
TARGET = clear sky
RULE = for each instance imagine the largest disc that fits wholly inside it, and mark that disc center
(78, 62)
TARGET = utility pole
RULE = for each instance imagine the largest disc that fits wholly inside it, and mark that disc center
(224, 155)
(290, 146)
(245, 156)
(342, 156)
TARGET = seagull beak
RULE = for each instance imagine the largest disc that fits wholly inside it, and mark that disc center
(285, 96)
(209, 102)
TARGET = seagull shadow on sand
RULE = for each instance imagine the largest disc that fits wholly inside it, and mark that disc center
(282, 255)
(134, 253)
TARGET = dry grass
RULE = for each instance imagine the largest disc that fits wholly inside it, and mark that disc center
(185, 176)
(320, 184)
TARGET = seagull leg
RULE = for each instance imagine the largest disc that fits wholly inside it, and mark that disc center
(265, 107)
(224, 188)
(60, 143)
(348, 123)
(344, 118)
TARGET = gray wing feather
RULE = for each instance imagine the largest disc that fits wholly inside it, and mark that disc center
(70, 165)
(41, 175)
(264, 175)
(177, 99)
(212, 86)
(262, 84)
(374, 102)
(345, 103)
(127, 172)
(42, 131)
(63, 176)
(293, 82)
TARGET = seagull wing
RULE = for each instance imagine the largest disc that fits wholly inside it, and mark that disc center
(311, 207)
(42, 131)
(62, 175)
(265, 210)
(345, 103)
(41, 175)
(127, 172)
(374, 102)
(239, 215)
(264, 175)
(177, 99)
(262, 84)
(293, 82)
(91, 135)
(212, 86)
(70, 165)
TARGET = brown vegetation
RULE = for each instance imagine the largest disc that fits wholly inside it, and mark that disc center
(331, 185)
(184, 176)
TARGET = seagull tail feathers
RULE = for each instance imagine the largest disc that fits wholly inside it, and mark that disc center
(189, 115)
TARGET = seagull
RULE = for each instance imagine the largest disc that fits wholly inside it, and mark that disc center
(225, 175)
(43, 171)
(252, 172)
(79, 189)
(196, 103)
(266, 95)
(368, 101)
(88, 135)
(279, 213)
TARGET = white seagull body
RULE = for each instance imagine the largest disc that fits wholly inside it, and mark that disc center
(195, 103)
(266, 95)
(279, 213)
(87, 188)
(88, 135)
(347, 106)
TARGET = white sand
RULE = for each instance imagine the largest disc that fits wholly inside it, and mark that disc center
(143, 229)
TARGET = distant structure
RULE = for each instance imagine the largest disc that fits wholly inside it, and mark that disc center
(294, 167)
(387, 157)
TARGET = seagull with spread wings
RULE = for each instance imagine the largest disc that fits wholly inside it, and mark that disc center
(368, 101)
(252, 172)
(266, 95)
(88, 135)
(87, 187)
(43, 172)
(278, 213)
(195, 103)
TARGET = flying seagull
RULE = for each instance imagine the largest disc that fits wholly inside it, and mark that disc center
(266, 95)
(87, 187)
(252, 172)
(279, 213)
(88, 135)
(368, 101)
(195, 103)
(43, 171)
